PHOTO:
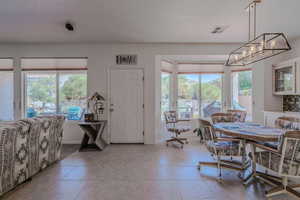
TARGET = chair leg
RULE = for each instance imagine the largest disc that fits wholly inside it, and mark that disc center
(219, 167)
(297, 186)
(175, 139)
(275, 191)
(293, 192)
(284, 188)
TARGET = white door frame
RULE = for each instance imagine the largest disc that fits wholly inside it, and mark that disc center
(123, 67)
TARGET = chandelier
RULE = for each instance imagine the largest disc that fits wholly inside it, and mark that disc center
(261, 47)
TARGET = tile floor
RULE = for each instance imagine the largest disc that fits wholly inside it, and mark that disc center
(136, 172)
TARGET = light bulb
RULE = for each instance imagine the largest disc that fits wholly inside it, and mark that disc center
(273, 44)
(252, 50)
(236, 57)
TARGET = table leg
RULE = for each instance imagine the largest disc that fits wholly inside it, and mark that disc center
(253, 164)
(245, 163)
(100, 142)
(84, 142)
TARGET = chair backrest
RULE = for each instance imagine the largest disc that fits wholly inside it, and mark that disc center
(221, 117)
(207, 130)
(238, 115)
(171, 119)
(290, 123)
(290, 154)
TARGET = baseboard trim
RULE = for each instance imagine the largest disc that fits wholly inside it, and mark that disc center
(71, 142)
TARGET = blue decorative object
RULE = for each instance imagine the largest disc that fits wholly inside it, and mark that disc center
(31, 113)
(74, 113)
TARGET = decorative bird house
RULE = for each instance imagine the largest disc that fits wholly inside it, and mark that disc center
(96, 105)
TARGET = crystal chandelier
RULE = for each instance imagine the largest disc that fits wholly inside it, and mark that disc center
(261, 47)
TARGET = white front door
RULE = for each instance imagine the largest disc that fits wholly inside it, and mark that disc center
(126, 103)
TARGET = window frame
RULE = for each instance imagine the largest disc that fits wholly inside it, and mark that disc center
(57, 73)
(199, 74)
(170, 91)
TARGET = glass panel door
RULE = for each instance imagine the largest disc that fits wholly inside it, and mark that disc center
(211, 94)
(188, 96)
(241, 98)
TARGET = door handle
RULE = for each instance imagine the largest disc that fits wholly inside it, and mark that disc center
(111, 109)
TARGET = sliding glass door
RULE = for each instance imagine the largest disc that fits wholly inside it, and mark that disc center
(199, 95)
(241, 92)
(211, 94)
(188, 100)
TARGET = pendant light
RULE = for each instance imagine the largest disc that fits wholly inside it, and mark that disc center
(261, 47)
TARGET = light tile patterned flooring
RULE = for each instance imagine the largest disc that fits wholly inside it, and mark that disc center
(136, 172)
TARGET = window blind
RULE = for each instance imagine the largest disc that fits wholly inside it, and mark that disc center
(53, 64)
(6, 64)
(200, 69)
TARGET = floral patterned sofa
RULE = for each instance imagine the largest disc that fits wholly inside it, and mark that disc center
(28, 146)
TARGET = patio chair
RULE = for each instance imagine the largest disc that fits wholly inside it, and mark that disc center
(221, 117)
(173, 126)
(291, 123)
(284, 161)
(221, 147)
(238, 115)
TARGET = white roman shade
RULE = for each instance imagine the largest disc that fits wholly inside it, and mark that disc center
(167, 66)
(240, 68)
(6, 64)
(53, 64)
(201, 68)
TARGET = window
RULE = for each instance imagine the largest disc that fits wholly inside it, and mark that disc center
(6, 89)
(211, 94)
(188, 96)
(40, 93)
(241, 98)
(199, 95)
(72, 94)
(55, 91)
(165, 92)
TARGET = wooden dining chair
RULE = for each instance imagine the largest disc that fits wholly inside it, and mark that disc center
(286, 123)
(221, 117)
(238, 115)
(220, 147)
(173, 126)
(290, 123)
(284, 161)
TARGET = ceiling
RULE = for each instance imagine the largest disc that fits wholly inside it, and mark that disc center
(142, 21)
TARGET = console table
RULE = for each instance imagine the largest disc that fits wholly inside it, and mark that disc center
(92, 139)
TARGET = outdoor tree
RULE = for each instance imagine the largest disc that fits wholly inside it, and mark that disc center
(42, 90)
(245, 80)
(74, 88)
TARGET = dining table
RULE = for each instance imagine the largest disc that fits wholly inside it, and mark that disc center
(249, 132)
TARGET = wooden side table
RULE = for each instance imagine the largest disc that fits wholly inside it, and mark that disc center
(93, 132)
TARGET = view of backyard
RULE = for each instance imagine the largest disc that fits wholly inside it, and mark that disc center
(200, 95)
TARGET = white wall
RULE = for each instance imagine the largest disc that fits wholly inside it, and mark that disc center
(262, 82)
(101, 57)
